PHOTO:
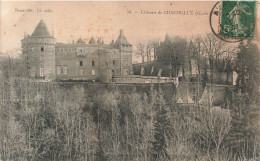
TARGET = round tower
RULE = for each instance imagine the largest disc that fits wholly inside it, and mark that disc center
(39, 53)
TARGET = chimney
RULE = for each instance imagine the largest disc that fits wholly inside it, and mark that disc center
(52, 31)
(121, 32)
(99, 41)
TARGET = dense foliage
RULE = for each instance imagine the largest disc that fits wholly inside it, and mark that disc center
(51, 121)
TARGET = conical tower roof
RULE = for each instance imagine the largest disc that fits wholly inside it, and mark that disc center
(80, 41)
(41, 30)
(92, 40)
(121, 40)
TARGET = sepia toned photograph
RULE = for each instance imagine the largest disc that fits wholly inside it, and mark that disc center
(129, 81)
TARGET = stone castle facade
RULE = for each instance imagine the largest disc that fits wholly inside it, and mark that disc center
(46, 59)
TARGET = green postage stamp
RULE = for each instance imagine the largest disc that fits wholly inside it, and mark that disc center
(238, 19)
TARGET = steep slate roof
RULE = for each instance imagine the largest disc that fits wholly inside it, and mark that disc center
(41, 30)
(80, 41)
(92, 40)
(121, 40)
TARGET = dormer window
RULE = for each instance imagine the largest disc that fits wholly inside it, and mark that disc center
(42, 49)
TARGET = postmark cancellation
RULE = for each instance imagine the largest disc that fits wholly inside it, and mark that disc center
(234, 20)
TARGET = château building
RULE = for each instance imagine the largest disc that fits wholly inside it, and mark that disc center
(47, 59)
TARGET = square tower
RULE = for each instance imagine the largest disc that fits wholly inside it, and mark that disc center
(126, 50)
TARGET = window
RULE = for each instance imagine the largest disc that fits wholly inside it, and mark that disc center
(147, 81)
(126, 72)
(65, 69)
(80, 72)
(42, 48)
(80, 50)
(93, 63)
(114, 62)
(32, 71)
(58, 70)
(81, 63)
(106, 64)
(41, 57)
(93, 72)
(41, 71)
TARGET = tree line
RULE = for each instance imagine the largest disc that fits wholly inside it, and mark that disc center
(209, 52)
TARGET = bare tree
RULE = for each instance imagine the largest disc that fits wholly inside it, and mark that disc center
(213, 125)
(145, 49)
(141, 50)
(213, 49)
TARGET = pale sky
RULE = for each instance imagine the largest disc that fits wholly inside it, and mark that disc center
(72, 20)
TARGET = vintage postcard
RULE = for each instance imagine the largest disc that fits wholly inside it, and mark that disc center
(129, 80)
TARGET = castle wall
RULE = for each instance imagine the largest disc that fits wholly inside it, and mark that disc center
(141, 79)
(87, 62)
